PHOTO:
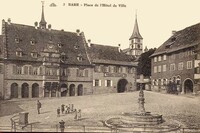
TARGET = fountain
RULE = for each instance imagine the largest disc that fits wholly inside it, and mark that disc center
(140, 120)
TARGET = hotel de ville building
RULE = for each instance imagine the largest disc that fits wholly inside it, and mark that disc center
(38, 61)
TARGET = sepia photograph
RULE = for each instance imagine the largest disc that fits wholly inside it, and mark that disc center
(104, 66)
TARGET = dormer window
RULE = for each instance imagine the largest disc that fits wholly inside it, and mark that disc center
(17, 40)
(34, 54)
(63, 56)
(79, 57)
(76, 47)
(60, 45)
(32, 42)
(19, 53)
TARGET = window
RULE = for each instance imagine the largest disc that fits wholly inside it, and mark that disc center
(48, 71)
(25, 69)
(19, 53)
(108, 83)
(19, 70)
(130, 70)
(155, 59)
(106, 69)
(164, 57)
(82, 73)
(17, 40)
(54, 71)
(14, 69)
(159, 58)
(34, 54)
(189, 64)
(97, 82)
(41, 71)
(172, 67)
(86, 73)
(1, 69)
(180, 66)
(159, 69)
(164, 68)
(96, 68)
(155, 69)
(79, 57)
(30, 70)
(197, 70)
(35, 71)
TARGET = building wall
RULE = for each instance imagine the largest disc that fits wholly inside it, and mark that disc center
(183, 56)
(1, 80)
(114, 78)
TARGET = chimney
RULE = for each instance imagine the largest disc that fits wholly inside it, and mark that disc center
(9, 21)
(119, 47)
(49, 27)
(36, 25)
(78, 32)
(89, 43)
(173, 32)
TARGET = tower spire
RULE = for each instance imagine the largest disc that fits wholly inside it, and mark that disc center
(43, 22)
(136, 33)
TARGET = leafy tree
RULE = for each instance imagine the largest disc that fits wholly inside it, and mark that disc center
(144, 63)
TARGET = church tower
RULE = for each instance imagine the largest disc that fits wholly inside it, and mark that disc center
(43, 23)
(135, 41)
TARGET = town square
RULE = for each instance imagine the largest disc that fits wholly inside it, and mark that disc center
(96, 66)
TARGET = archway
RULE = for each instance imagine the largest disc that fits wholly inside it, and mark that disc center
(188, 86)
(72, 90)
(25, 90)
(121, 85)
(35, 90)
(80, 90)
(14, 90)
(63, 89)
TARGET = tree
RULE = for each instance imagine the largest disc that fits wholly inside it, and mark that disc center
(144, 63)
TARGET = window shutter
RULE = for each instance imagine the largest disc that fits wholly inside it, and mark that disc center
(93, 82)
(99, 82)
(111, 83)
(105, 82)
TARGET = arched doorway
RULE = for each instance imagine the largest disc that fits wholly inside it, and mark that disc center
(72, 90)
(80, 90)
(35, 90)
(121, 85)
(25, 90)
(63, 89)
(188, 86)
(14, 90)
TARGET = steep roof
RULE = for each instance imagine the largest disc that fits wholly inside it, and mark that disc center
(136, 33)
(109, 55)
(182, 39)
(54, 41)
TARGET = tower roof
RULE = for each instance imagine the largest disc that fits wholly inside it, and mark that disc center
(42, 21)
(136, 33)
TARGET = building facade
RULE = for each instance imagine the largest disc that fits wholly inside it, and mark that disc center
(38, 61)
(177, 61)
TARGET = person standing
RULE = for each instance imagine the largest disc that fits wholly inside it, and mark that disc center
(58, 112)
(79, 114)
(62, 108)
(62, 125)
(75, 117)
(39, 105)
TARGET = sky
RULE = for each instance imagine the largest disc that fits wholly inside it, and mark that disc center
(108, 25)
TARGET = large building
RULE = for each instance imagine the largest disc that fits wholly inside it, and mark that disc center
(177, 61)
(38, 61)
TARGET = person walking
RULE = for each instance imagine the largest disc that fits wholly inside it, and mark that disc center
(39, 105)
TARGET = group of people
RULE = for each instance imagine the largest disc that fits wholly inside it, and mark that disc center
(66, 109)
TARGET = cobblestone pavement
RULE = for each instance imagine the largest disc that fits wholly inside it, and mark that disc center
(182, 109)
